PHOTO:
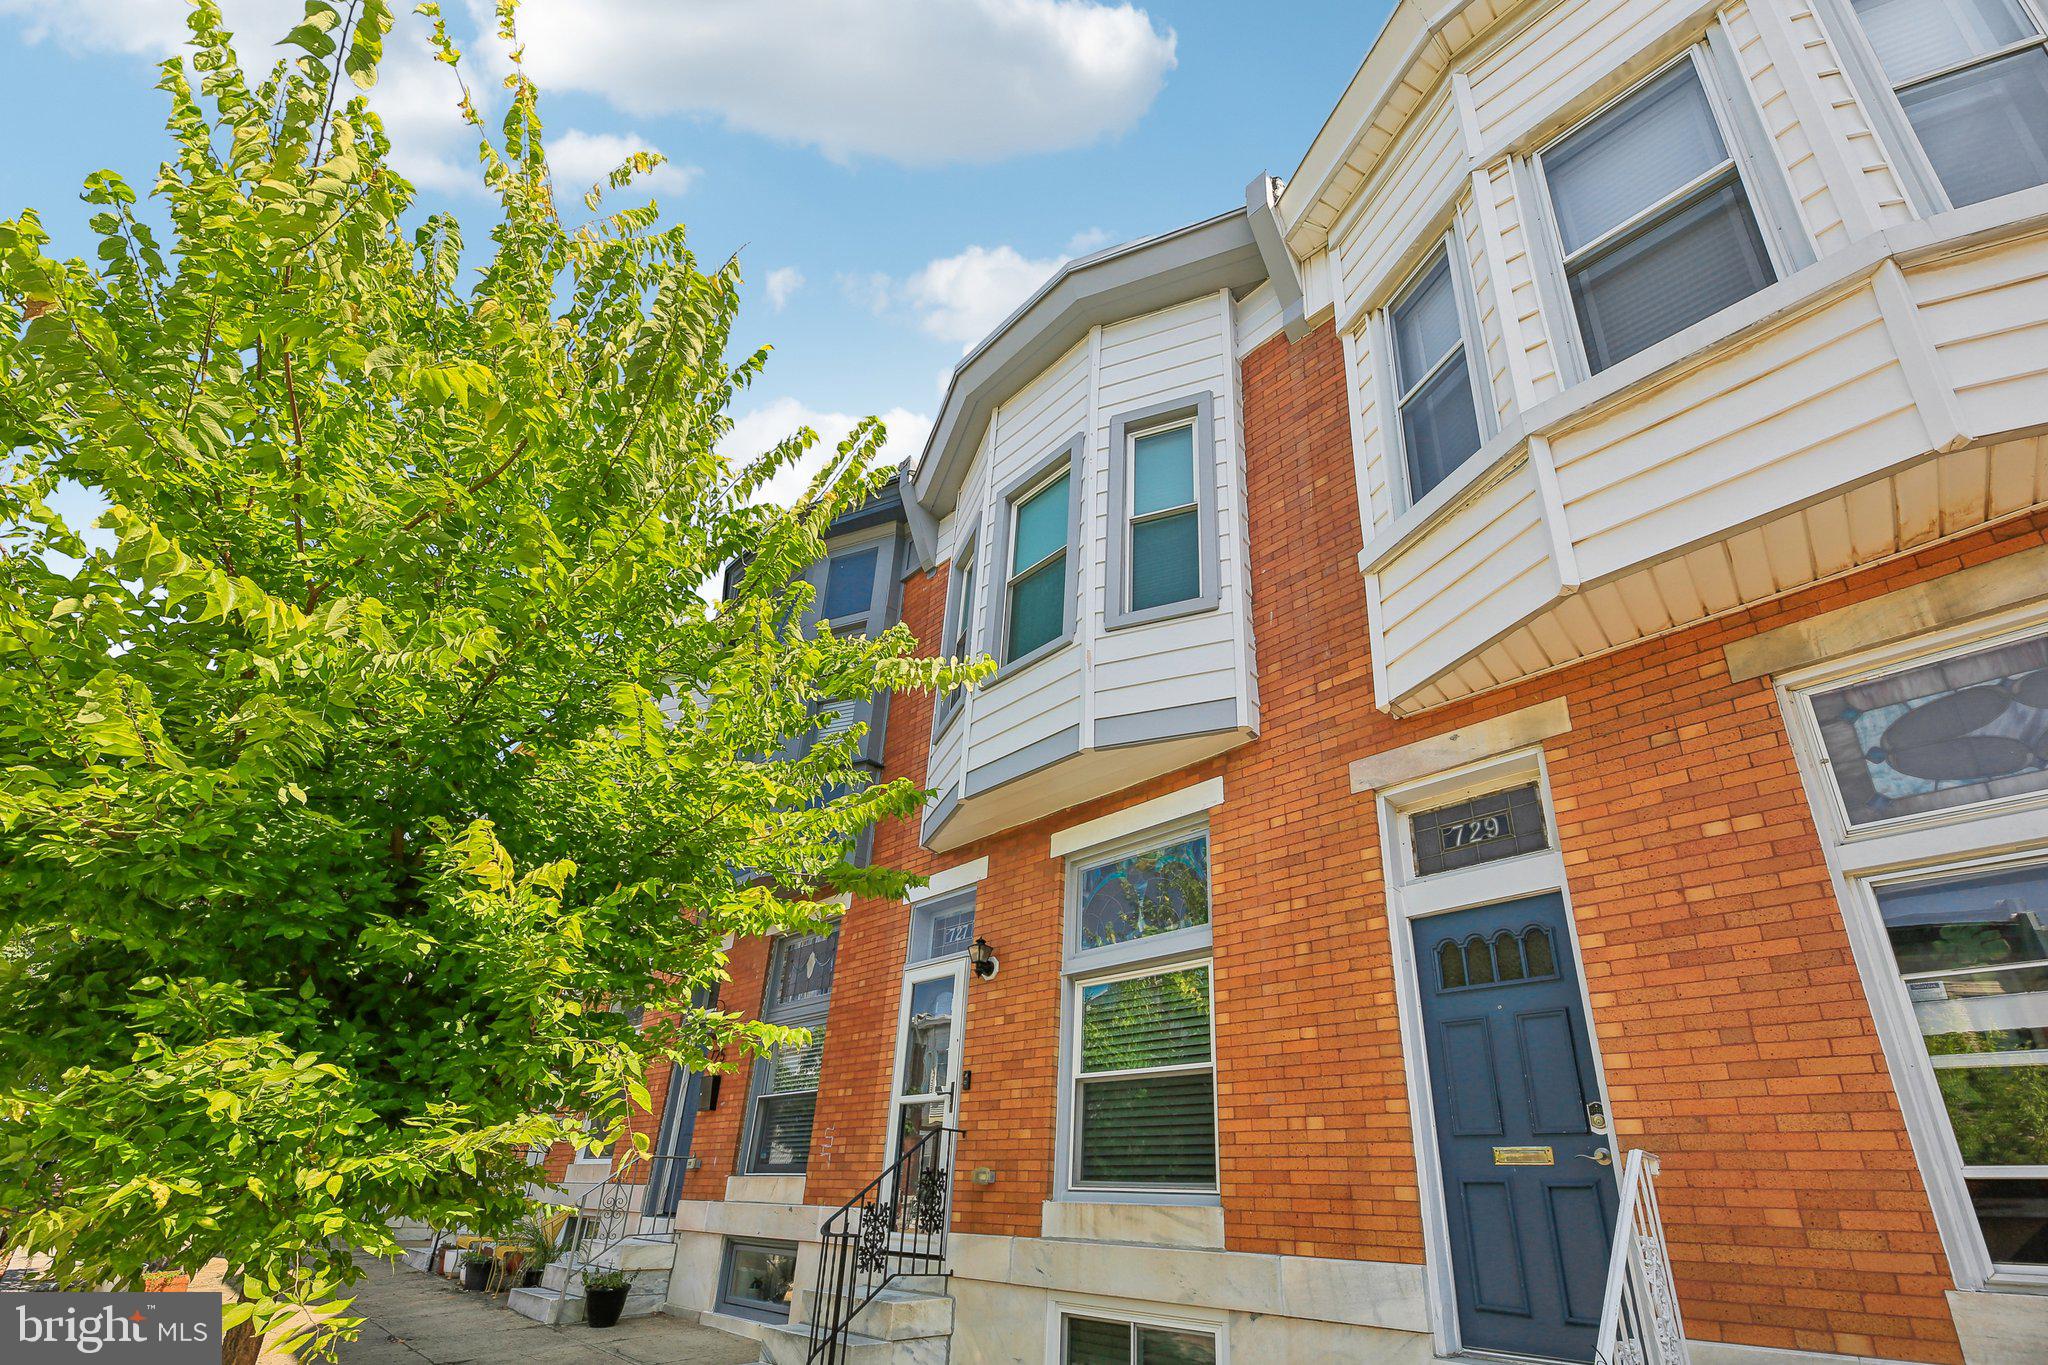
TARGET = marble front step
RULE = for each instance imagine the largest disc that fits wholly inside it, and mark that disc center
(895, 1314)
(786, 1343)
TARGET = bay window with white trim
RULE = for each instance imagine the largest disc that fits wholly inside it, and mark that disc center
(1970, 78)
(1928, 769)
(1443, 415)
(1139, 1064)
(1655, 215)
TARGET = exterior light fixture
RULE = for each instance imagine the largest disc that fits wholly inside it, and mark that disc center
(984, 959)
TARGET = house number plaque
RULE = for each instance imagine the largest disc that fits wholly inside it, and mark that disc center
(1523, 1156)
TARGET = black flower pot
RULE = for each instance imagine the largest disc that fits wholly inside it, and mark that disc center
(603, 1306)
(476, 1275)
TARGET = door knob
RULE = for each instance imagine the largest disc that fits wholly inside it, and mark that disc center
(1599, 1156)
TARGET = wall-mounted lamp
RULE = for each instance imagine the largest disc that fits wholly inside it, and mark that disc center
(984, 959)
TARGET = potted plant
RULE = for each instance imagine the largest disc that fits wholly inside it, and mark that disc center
(604, 1296)
(476, 1267)
(538, 1234)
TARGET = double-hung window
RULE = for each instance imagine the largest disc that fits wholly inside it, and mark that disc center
(1955, 743)
(1163, 557)
(1035, 609)
(1653, 217)
(1141, 1054)
(1972, 78)
(1439, 399)
(799, 994)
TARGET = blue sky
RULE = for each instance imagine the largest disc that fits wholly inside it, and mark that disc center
(896, 174)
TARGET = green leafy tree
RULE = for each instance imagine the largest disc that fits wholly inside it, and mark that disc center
(348, 805)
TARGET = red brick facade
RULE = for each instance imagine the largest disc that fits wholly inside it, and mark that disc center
(1736, 1038)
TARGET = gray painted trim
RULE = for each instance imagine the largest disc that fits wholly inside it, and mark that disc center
(1455, 748)
(747, 1308)
(1259, 197)
(1072, 456)
(1167, 722)
(1119, 282)
(1952, 599)
(1023, 762)
(1209, 538)
(950, 704)
(935, 819)
(924, 527)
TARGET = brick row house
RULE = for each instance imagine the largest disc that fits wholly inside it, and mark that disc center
(1525, 643)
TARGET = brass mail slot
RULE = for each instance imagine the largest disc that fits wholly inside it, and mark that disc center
(1523, 1156)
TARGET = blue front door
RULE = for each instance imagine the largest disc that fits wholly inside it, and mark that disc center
(1512, 1085)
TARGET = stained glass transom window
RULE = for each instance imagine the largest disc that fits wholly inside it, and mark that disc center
(1153, 892)
(1949, 733)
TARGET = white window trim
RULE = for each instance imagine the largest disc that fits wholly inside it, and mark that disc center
(1176, 1317)
(1147, 956)
(1380, 337)
(1867, 76)
(1917, 848)
(1782, 241)
(1411, 897)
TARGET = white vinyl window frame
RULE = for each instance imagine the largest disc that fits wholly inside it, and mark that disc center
(1747, 159)
(1197, 412)
(1939, 845)
(1395, 386)
(1002, 581)
(1148, 956)
(1412, 896)
(1880, 94)
(1172, 1318)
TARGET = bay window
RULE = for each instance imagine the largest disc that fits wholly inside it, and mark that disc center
(1034, 610)
(1438, 397)
(1163, 558)
(1971, 77)
(1653, 217)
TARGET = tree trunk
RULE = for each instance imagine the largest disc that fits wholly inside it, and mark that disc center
(242, 1345)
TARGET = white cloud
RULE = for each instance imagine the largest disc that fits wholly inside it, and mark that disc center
(582, 159)
(913, 81)
(758, 430)
(783, 281)
(961, 298)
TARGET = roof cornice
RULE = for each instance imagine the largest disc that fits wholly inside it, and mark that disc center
(1118, 282)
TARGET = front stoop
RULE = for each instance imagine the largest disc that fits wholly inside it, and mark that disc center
(646, 1261)
(907, 1324)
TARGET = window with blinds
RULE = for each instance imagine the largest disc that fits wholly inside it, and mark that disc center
(1972, 78)
(1105, 1341)
(785, 1087)
(1653, 218)
(1432, 370)
(1145, 1082)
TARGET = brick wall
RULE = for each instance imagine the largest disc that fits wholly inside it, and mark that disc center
(1737, 1042)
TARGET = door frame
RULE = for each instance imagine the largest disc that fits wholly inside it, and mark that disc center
(931, 969)
(1411, 898)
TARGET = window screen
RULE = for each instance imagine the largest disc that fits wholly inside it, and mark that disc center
(1166, 564)
(1972, 76)
(1655, 223)
(1500, 824)
(1103, 1341)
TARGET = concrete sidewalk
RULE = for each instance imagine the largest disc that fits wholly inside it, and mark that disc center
(412, 1317)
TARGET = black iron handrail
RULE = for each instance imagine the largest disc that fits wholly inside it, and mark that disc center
(895, 1226)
